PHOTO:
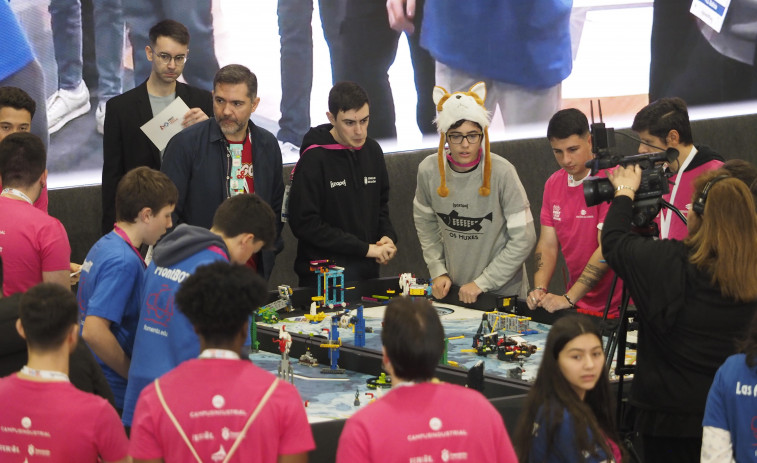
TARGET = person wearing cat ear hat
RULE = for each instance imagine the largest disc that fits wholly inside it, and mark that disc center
(470, 209)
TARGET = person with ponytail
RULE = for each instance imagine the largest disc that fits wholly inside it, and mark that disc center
(694, 299)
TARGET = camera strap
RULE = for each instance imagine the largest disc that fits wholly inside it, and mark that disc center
(665, 215)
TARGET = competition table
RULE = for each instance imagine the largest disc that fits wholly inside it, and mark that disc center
(330, 398)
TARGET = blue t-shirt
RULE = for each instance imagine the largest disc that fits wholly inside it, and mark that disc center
(16, 51)
(110, 287)
(564, 446)
(165, 337)
(732, 405)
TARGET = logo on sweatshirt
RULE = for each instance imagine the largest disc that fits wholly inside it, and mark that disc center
(342, 182)
(463, 224)
(160, 307)
(556, 212)
(369, 180)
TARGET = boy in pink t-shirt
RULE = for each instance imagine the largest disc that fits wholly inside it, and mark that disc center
(43, 414)
(219, 407)
(419, 419)
(569, 225)
(33, 245)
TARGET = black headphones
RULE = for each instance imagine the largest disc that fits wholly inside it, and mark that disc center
(698, 205)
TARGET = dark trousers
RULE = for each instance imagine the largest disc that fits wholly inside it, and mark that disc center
(362, 48)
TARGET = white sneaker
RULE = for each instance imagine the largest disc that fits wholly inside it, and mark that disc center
(290, 153)
(100, 117)
(66, 105)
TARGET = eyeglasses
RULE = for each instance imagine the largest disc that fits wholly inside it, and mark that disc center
(165, 58)
(457, 138)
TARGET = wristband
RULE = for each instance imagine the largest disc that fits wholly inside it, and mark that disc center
(625, 187)
(572, 305)
(540, 288)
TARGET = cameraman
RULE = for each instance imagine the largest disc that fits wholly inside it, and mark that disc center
(694, 298)
(664, 124)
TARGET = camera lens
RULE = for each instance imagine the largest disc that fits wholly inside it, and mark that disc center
(597, 190)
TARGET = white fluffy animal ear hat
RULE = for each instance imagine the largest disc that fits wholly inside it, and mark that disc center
(454, 107)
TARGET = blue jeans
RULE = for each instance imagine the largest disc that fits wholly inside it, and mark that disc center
(65, 20)
(202, 64)
(296, 33)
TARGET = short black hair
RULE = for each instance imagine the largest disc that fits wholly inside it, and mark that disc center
(218, 299)
(457, 124)
(143, 187)
(246, 213)
(662, 116)
(237, 74)
(16, 98)
(413, 337)
(47, 312)
(566, 123)
(346, 96)
(23, 159)
(171, 29)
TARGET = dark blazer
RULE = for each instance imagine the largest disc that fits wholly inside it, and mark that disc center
(125, 146)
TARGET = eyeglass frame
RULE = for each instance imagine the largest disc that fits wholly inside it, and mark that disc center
(165, 58)
(478, 136)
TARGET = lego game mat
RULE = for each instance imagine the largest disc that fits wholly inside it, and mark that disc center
(332, 396)
(457, 321)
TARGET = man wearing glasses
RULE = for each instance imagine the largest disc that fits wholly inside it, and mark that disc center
(473, 220)
(125, 146)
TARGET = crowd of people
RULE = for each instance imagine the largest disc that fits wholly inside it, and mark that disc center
(191, 232)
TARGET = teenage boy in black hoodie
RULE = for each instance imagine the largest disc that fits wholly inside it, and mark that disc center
(338, 203)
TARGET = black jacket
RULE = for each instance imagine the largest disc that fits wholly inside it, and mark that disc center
(126, 147)
(687, 329)
(196, 160)
(338, 206)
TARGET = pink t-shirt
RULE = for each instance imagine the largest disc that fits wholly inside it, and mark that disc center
(55, 422)
(41, 202)
(212, 400)
(31, 242)
(682, 201)
(577, 226)
(426, 422)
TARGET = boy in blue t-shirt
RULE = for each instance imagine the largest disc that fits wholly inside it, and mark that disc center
(242, 226)
(112, 273)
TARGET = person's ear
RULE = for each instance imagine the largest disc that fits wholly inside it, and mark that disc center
(20, 329)
(255, 104)
(73, 337)
(331, 117)
(145, 215)
(673, 138)
(148, 52)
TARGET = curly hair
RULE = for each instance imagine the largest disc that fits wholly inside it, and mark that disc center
(219, 298)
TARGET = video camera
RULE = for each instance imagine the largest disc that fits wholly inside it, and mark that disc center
(654, 179)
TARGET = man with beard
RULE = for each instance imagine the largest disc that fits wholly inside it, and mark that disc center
(226, 156)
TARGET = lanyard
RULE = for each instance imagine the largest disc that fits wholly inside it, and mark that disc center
(45, 374)
(219, 354)
(19, 193)
(237, 178)
(666, 218)
(120, 232)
